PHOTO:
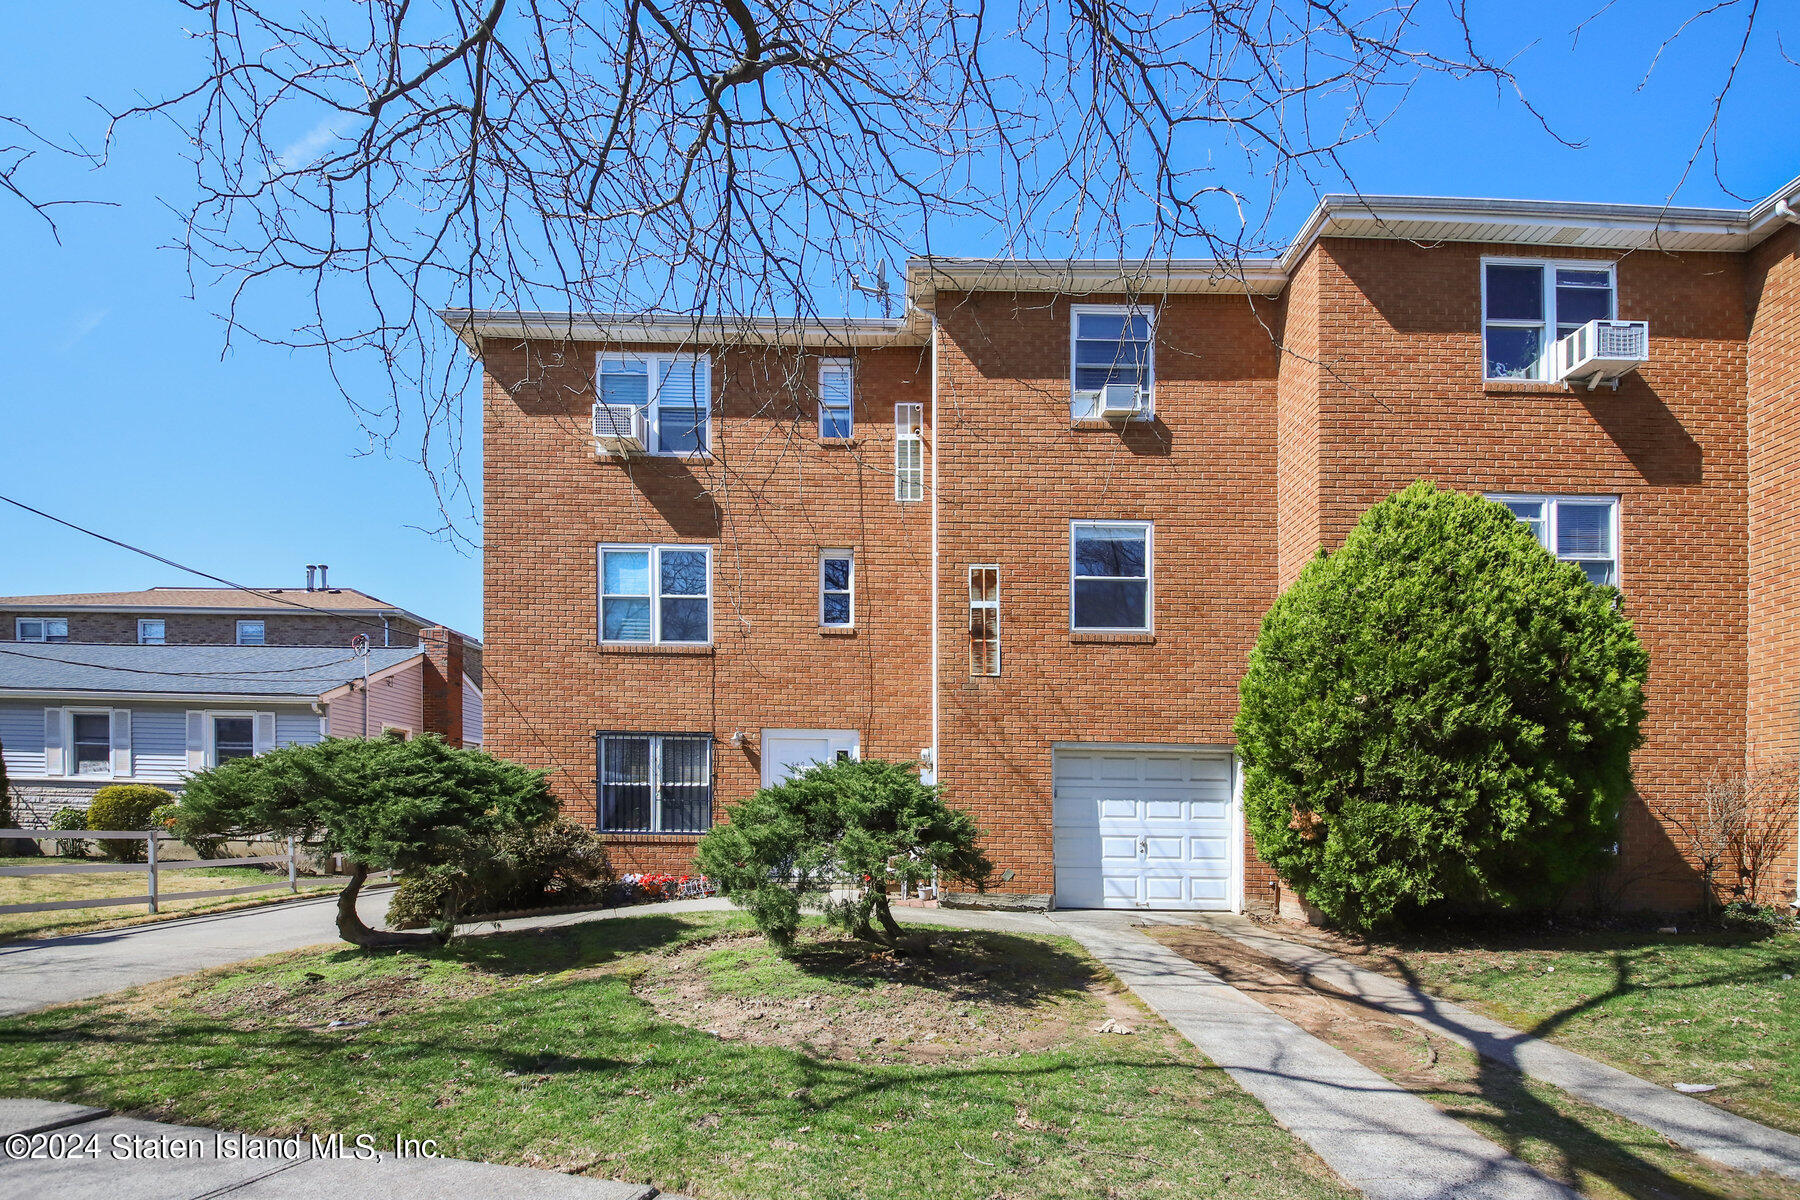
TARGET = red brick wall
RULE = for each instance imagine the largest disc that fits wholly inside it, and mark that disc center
(1774, 396)
(771, 498)
(1403, 399)
(1014, 474)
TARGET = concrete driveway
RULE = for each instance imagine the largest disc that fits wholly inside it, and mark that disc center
(37, 974)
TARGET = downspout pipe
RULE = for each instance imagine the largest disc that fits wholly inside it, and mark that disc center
(936, 581)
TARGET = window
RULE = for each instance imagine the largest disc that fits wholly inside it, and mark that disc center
(91, 734)
(1110, 576)
(41, 629)
(249, 633)
(654, 782)
(1528, 306)
(233, 737)
(1580, 529)
(909, 452)
(1111, 345)
(675, 390)
(837, 588)
(150, 633)
(837, 415)
(656, 594)
(984, 619)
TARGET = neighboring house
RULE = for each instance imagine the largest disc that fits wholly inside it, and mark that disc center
(74, 718)
(1026, 533)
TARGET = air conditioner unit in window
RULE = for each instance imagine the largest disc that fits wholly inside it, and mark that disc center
(619, 428)
(1602, 351)
(1121, 400)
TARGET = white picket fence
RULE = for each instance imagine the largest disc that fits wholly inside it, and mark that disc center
(151, 868)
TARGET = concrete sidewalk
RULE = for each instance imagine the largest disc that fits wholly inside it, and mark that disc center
(1706, 1129)
(87, 1153)
(37, 974)
(1379, 1137)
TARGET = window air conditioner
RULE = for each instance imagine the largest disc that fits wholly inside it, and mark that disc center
(619, 428)
(1602, 351)
(1121, 400)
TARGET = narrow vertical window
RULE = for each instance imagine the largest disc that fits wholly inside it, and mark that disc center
(151, 633)
(837, 406)
(984, 619)
(837, 588)
(909, 452)
(250, 633)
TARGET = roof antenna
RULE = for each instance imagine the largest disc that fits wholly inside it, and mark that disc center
(878, 289)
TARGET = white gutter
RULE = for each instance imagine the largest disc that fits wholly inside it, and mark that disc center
(936, 582)
(294, 698)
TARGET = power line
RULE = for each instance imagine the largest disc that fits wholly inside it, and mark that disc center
(487, 672)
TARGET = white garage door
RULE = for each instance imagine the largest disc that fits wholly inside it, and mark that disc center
(1143, 828)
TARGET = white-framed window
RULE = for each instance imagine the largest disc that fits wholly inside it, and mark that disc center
(41, 629)
(1580, 529)
(674, 390)
(837, 398)
(1111, 344)
(909, 452)
(396, 731)
(90, 741)
(233, 736)
(984, 619)
(660, 595)
(1109, 576)
(251, 633)
(1527, 305)
(654, 782)
(837, 588)
(152, 632)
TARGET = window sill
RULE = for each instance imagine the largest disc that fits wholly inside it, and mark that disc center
(842, 631)
(1127, 639)
(1522, 387)
(1101, 424)
(618, 456)
(650, 648)
(841, 442)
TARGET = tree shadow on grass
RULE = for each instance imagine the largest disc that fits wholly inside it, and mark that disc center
(1582, 1151)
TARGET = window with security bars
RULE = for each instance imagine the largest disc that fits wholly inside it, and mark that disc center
(909, 452)
(654, 782)
(984, 619)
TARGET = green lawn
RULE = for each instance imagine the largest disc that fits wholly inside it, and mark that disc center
(39, 889)
(548, 1049)
(1687, 1008)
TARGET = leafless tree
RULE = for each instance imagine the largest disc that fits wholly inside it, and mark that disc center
(1738, 824)
(382, 158)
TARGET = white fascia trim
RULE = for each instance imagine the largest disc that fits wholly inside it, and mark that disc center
(296, 699)
(472, 326)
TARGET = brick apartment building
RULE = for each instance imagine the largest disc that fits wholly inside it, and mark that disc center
(927, 538)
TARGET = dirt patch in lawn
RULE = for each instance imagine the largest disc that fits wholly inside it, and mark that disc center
(958, 995)
(313, 1001)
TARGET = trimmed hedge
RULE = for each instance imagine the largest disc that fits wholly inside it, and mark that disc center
(1440, 711)
(125, 806)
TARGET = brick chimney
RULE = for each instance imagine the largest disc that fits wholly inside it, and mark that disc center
(443, 682)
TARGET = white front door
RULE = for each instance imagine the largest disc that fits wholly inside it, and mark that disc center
(1140, 827)
(787, 752)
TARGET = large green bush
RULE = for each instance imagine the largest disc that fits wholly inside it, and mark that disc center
(125, 806)
(831, 838)
(1439, 711)
(384, 804)
(556, 863)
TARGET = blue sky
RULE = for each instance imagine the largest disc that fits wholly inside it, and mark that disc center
(118, 409)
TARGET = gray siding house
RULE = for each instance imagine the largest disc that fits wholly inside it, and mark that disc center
(75, 718)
